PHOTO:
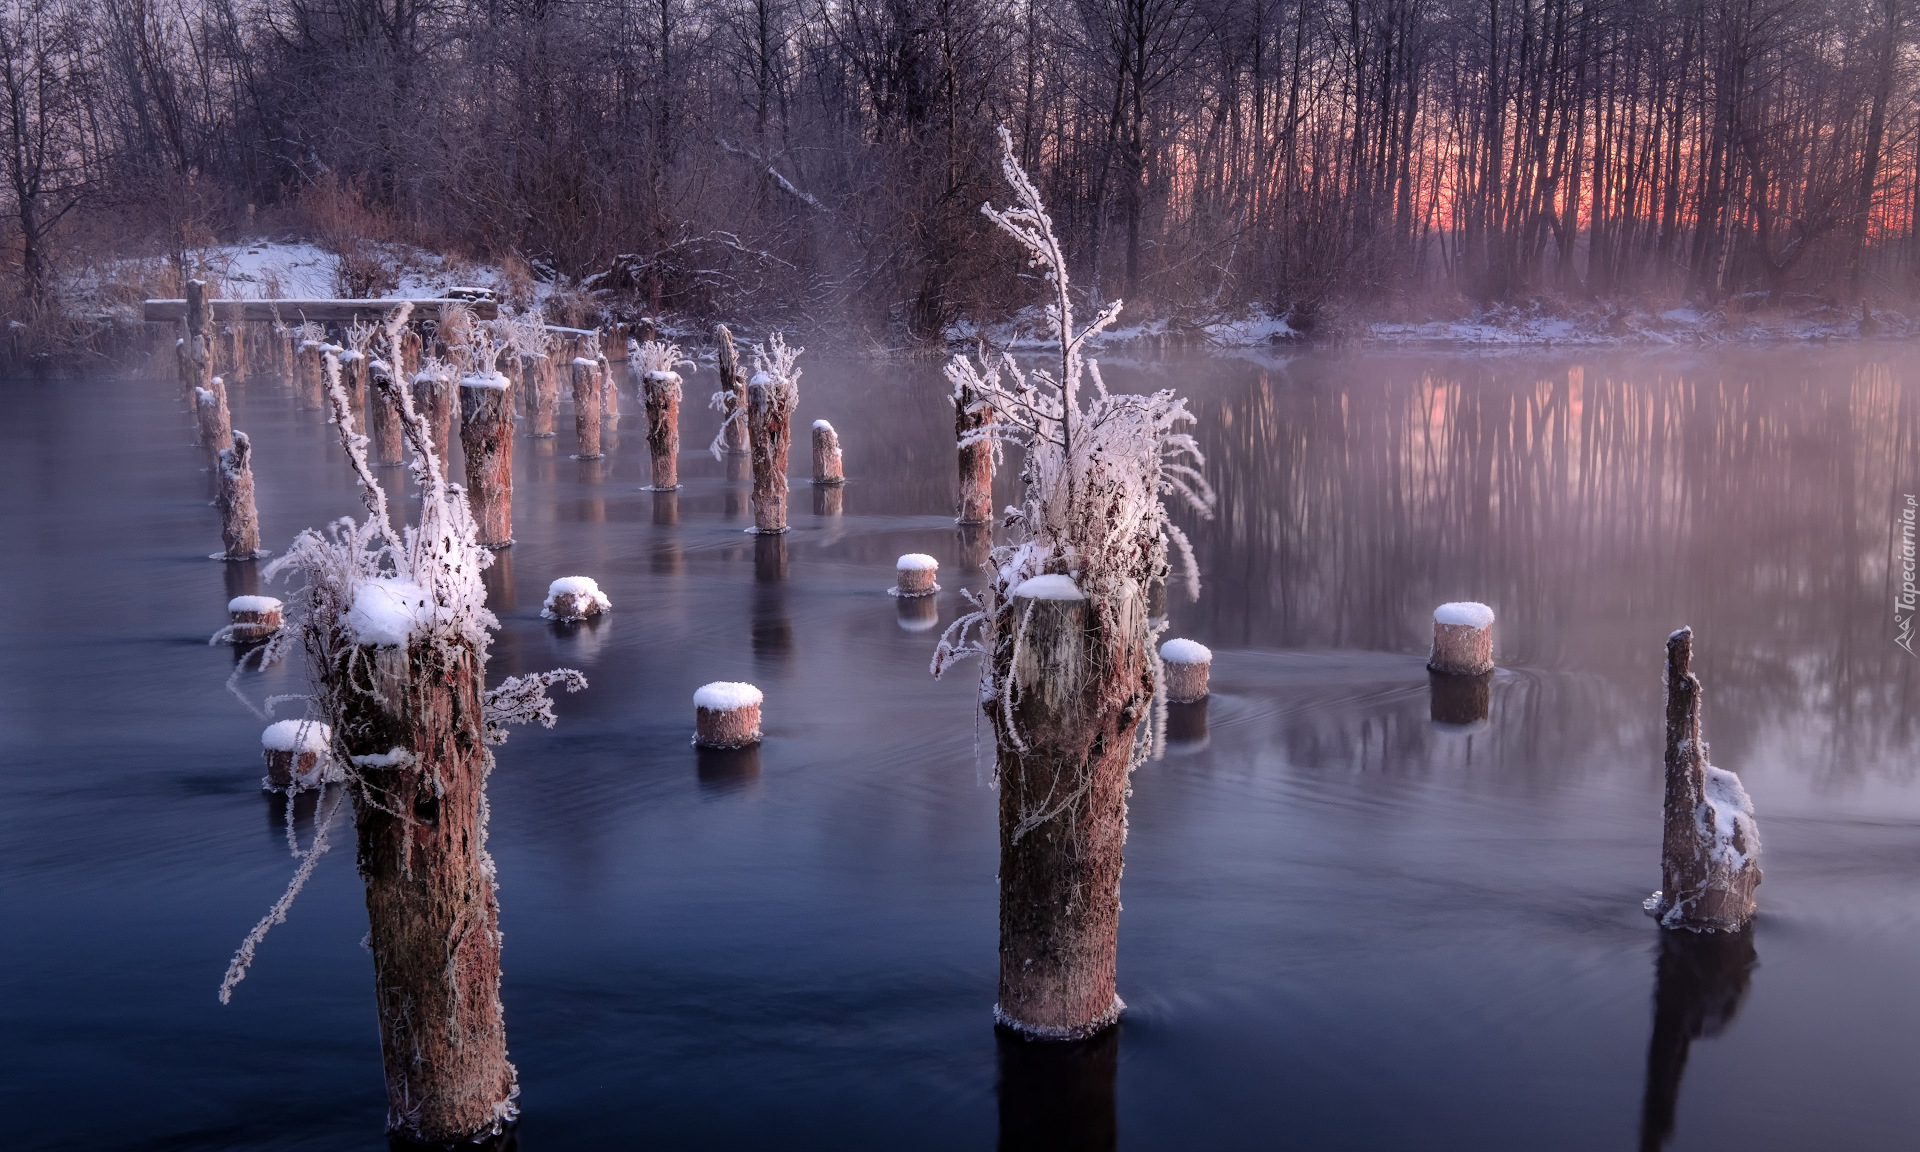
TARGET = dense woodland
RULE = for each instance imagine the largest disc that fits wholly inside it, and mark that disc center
(815, 159)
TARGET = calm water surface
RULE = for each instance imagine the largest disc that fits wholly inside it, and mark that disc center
(1345, 926)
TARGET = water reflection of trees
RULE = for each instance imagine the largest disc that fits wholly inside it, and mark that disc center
(1596, 504)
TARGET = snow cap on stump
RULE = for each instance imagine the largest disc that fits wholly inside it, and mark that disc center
(254, 618)
(726, 715)
(914, 575)
(296, 751)
(1462, 639)
(386, 612)
(1050, 587)
(1187, 663)
(574, 598)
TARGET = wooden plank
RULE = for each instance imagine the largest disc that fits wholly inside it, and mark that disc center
(319, 311)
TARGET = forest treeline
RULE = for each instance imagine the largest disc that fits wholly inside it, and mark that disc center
(816, 158)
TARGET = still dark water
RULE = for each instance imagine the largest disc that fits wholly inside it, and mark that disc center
(1344, 927)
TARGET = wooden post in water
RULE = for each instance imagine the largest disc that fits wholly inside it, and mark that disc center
(486, 435)
(828, 468)
(1081, 694)
(197, 362)
(353, 377)
(609, 383)
(586, 407)
(239, 521)
(770, 404)
(383, 417)
(1462, 639)
(433, 400)
(210, 414)
(733, 396)
(1710, 848)
(307, 381)
(411, 722)
(661, 390)
(972, 414)
(543, 392)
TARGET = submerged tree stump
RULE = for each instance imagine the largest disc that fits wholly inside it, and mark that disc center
(309, 386)
(726, 715)
(253, 618)
(210, 414)
(586, 407)
(972, 414)
(543, 394)
(411, 721)
(769, 427)
(486, 435)
(733, 396)
(828, 469)
(1083, 683)
(1462, 639)
(1710, 847)
(296, 754)
(239, 521)
(1188, 664)
(661, 392)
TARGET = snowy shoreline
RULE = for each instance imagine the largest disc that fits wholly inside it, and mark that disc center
(299, 269)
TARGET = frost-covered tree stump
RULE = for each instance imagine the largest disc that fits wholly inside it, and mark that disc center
(306, 373)
(353, 377)
(252, 619)
(1082, 683)
(914, 575)
(1462, 639)
(574, 598)
(210, 414)
(239, 520)
(772, 395)
(296, 754)
(1710, 849)
(726, 715)
(1188, 664)
(196, 348)
(410, 721)
(972, 414)
(486, 435)
(586, 407)
(660, 390)
(827, 465)
(731, 400)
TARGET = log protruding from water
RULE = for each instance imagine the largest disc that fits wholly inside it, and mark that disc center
(1462, 639)
(573, 598)
(410, 720)
(770, 404)
(253, 618)
(586, 407)
(296, 752)
(433, 401)
(1710, 845)
(972, 419)
(733, 439)
(196, 352)
(1081, 685)
(1188, 664)
(486, 436)
(211, 417)
(726, 715)
(828, 470)
(543, 393)
(383, 416)
(239, 520)
(307, 382)
(660, 390)
(914, 575)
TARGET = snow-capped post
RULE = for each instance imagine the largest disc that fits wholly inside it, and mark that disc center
(574, 598)
(239, 520)
(914, 574)
(731, 400)
(972, 429)
(353, 369)
(395, 629)
(1187, 663)
(486, 435)
(726, 715)
(433, 401)
(254, 618)
(210, 414)
(1067, 671)
(1462, 639)
(586, 407)
(383, 417)
(772, 395)
(1710, 850)
(296, 754)
(656, 365)
(827, 470)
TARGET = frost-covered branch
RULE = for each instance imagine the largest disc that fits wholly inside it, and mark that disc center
(524, 700)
